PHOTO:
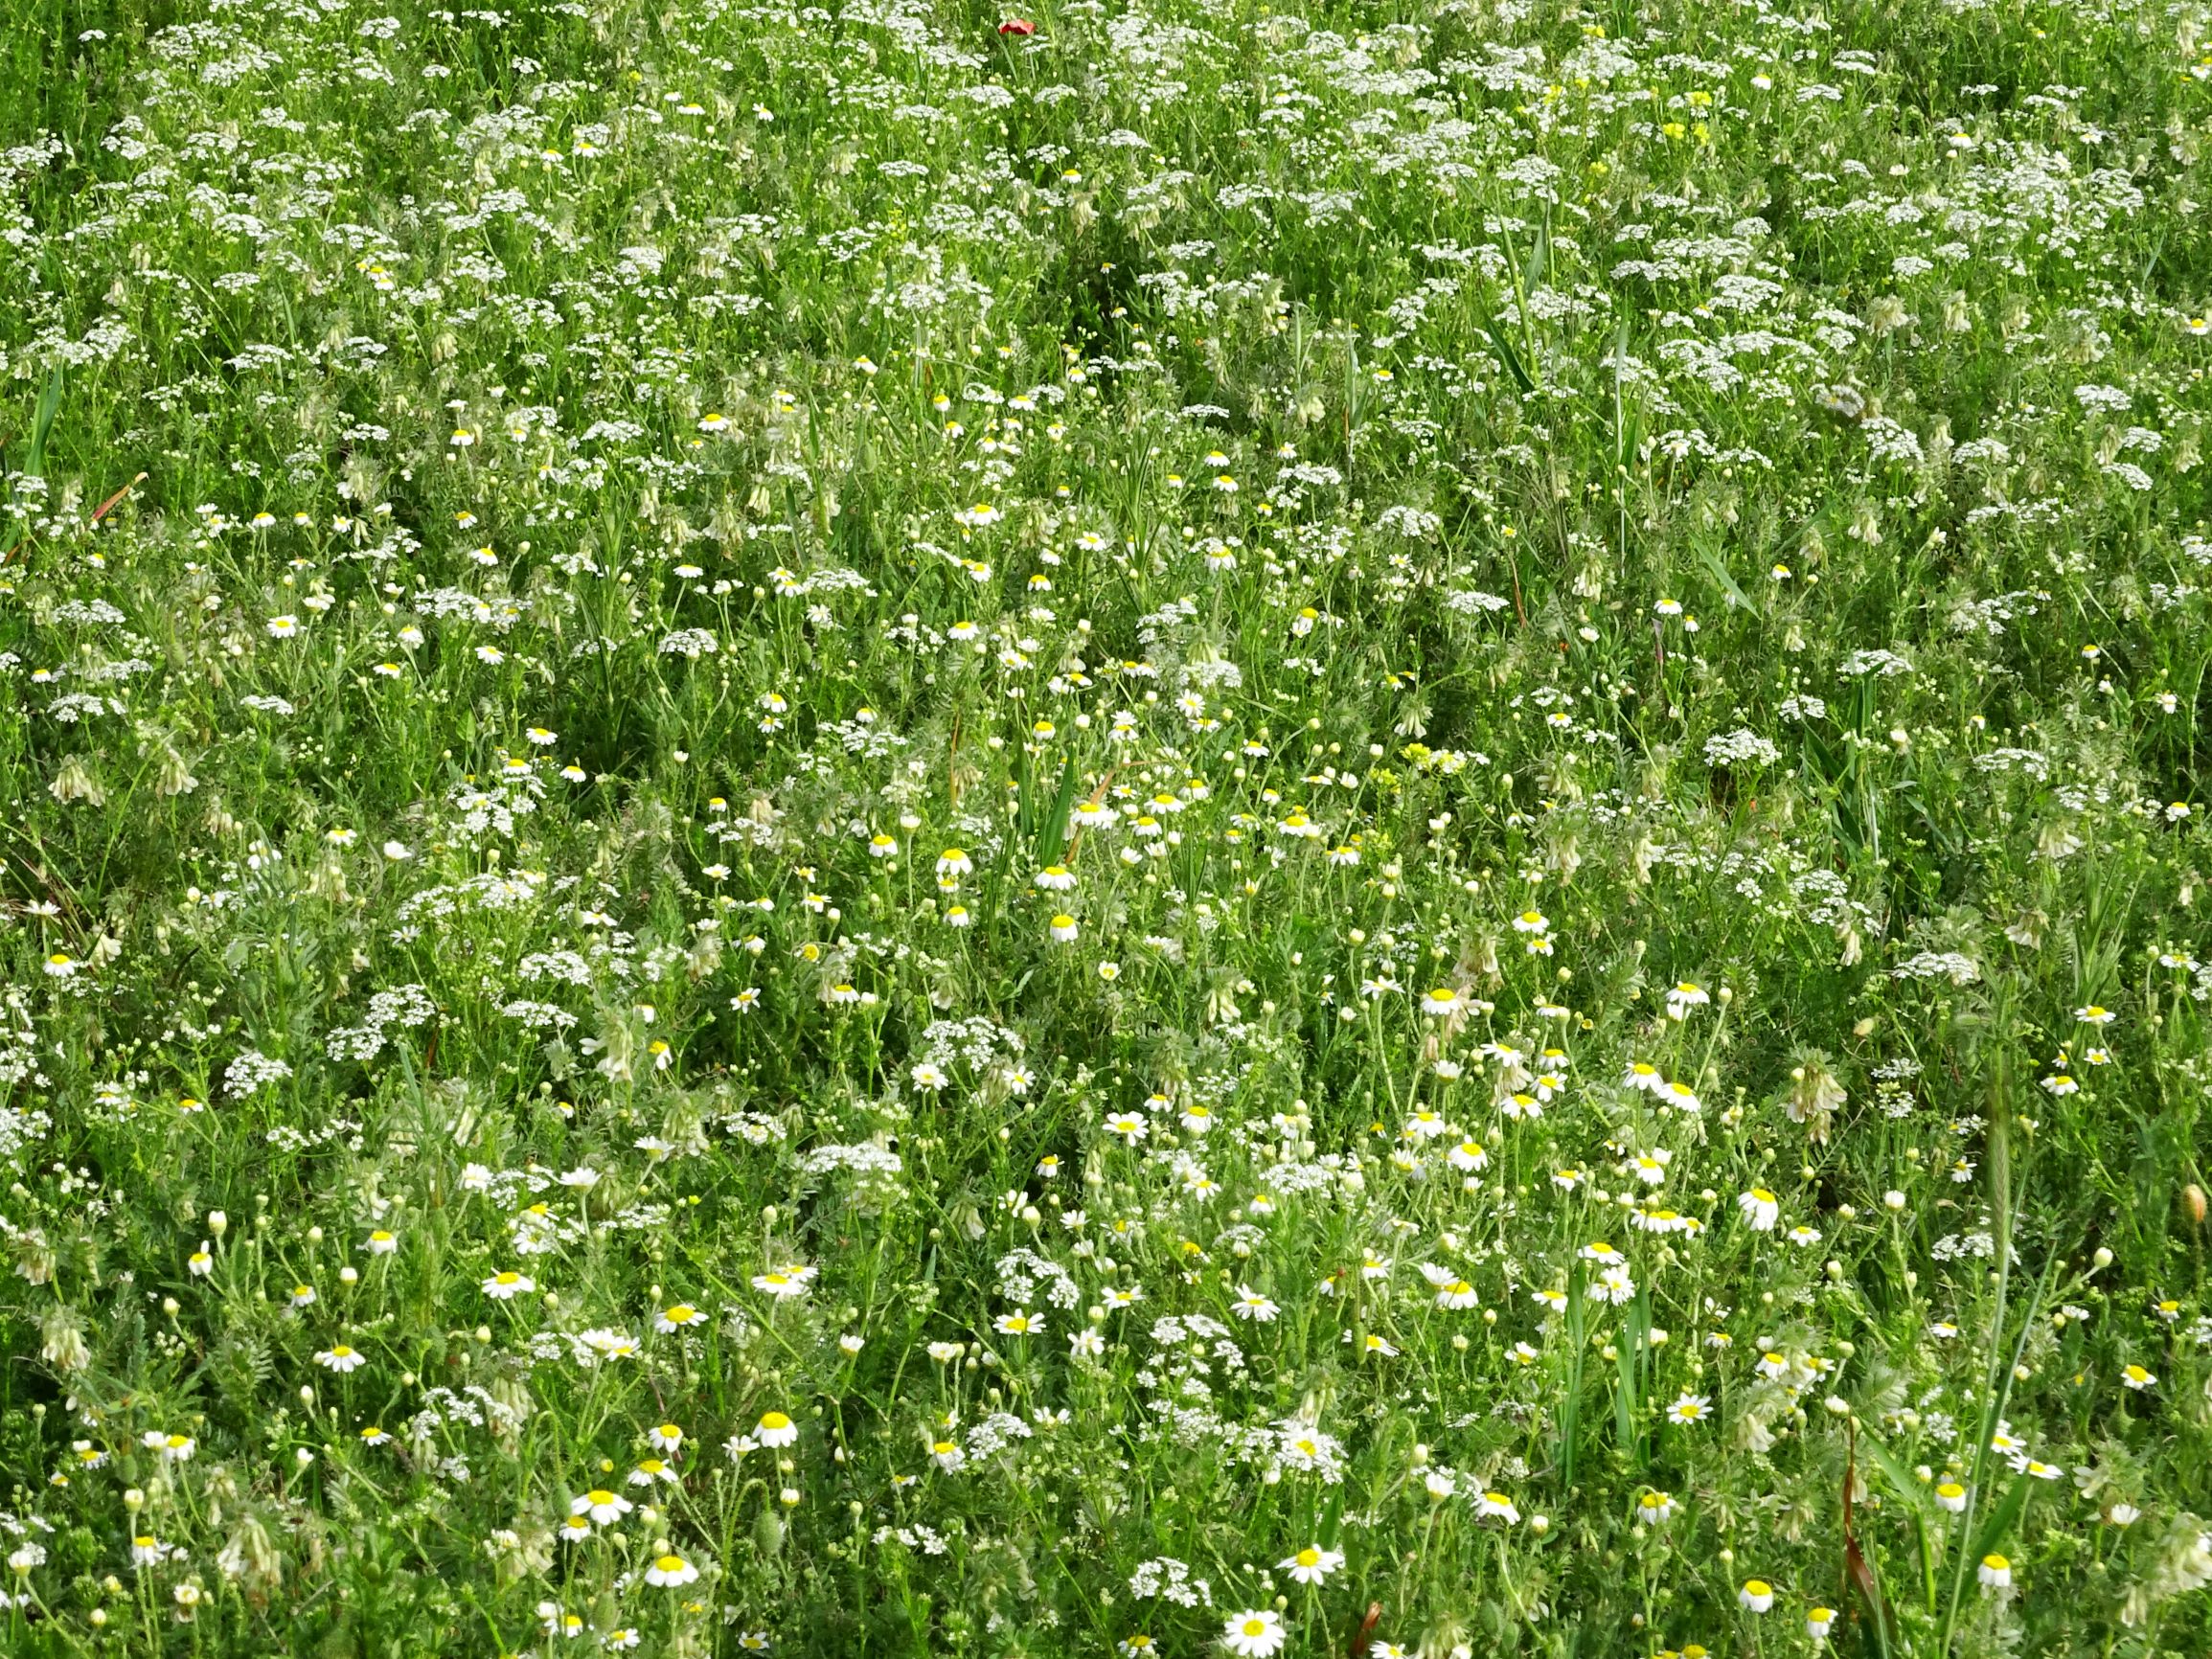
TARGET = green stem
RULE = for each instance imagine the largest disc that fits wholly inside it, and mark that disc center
(2001, 1215)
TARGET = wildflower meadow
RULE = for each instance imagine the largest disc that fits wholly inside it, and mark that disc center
(1172, 827)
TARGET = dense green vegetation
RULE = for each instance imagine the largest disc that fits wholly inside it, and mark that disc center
(1206, 828)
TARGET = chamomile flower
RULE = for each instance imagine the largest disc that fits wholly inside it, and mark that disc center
(1655, 1507)
(1452, 1292)
(1313, 1564)
(776, 1429)
(1251, 1305)
(1690, 1408)
(603, 1506)
(1254, 1634)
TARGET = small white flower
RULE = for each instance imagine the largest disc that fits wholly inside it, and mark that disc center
(775, 1429)
(1312, 1564)
(1255, 1634)
(1498, 1506)
(1250, 1304)
(602, 1506)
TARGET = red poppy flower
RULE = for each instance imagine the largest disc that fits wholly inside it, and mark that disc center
(1018, 26)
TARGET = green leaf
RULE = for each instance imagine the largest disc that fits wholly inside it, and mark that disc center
(1570, 1407)
(1715, 568)
(1024, 798)
(1052, 839)
(1627, 424)
(2004, 1516)
(1624, 1396)
(34, 455)
(1509, 357)
(42, 427)
(1899, 1476)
